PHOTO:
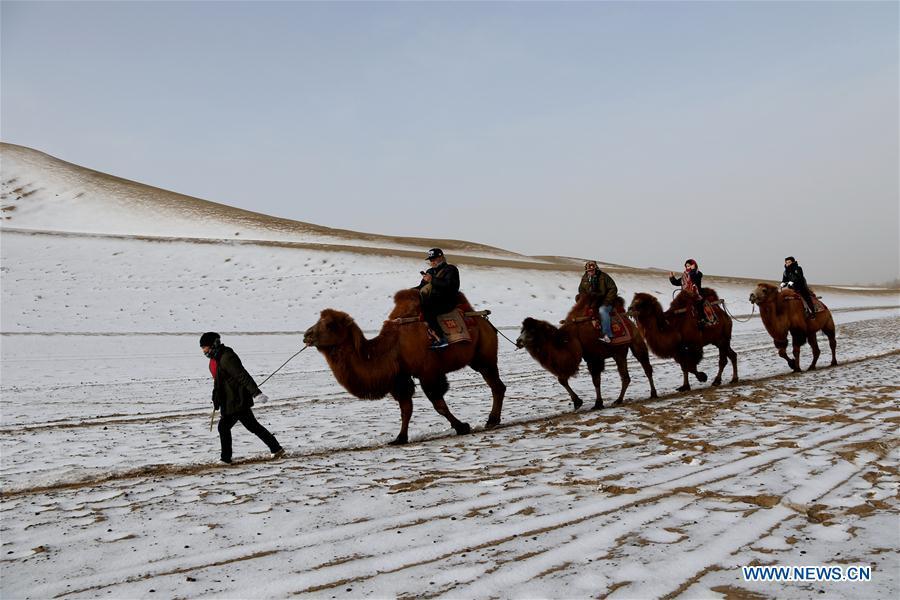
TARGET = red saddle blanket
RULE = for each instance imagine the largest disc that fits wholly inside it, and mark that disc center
(621, 333)
(710, 314)
(456, 326)
(818, 305)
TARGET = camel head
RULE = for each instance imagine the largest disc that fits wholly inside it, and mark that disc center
(527, 333)
(643, 305)
(536, 333)
(763, 293)
(332, 329)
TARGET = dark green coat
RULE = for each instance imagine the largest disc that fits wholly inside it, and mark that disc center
(601, 286)
(234, 389)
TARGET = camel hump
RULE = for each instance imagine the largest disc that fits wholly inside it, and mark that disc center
(335, 315)
(406, 295)
(408, 303)
(709, 294)
(619, 304)
(463, 303)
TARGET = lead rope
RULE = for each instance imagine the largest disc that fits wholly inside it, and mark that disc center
(212, 416)
(752, 311)
(282, 365)
(500, 333)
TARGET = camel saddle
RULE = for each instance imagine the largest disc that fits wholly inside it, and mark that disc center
(455, 326)
(455, 323)
(818, 305)
(708, 312)
(621, 333)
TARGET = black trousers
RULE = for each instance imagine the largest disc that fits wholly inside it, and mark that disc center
(431, 308)
(807, 296)
(249, 421)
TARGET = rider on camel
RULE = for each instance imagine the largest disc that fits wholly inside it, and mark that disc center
(690, 284)
(602, 290)
(794, 279)
(438, 289)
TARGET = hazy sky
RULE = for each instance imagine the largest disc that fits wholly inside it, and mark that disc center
(638, 133)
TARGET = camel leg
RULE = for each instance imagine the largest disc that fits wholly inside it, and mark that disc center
(828, 330)
(795, 346)
(564, 381)
(403, 393)
(622, 365)
(723, 360)
(644, 358)
(700, 375)
(814, 346)
(596, 371)
(692, 361)
(498, 390)
(435, 390)
(732, 356)
(686, 386)
(782, 352)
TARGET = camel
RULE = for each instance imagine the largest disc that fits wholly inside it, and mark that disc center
(782, 313)
(560, 351)
(675, 333)
(386, 364)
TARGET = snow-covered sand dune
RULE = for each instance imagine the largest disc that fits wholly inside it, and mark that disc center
(111, 485)
(40, 192)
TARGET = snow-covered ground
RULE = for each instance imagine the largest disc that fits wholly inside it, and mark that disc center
(111, 485)
(85, 284)
(653, 498)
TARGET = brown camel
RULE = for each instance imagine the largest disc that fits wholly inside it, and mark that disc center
(783, 313)
(387, 363)
(675, 333)
(560, 350)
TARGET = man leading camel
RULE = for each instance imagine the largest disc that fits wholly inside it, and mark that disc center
(602, 290)
(438, 289)
(235, 392)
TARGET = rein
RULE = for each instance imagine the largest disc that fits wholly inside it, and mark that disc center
(752, 311)
(681, 311)
(472, 313)
(576, 320)
(408, 320)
